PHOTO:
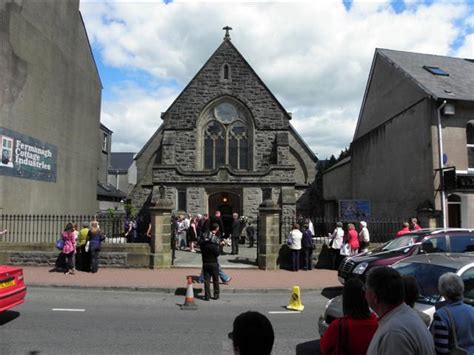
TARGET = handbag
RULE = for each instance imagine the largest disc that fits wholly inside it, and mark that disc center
(86, 247)
(456, 350)
(60, 243)
(345, 249)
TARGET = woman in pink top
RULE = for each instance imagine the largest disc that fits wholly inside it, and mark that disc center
(353, 238)
(69, 249)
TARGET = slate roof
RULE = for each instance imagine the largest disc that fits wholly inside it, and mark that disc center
(108, 190)
(459, 85)
(121, 161)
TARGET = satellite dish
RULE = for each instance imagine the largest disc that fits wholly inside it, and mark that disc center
(445, 159)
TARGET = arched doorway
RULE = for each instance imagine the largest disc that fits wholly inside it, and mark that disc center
(454, 211)
(226, 202)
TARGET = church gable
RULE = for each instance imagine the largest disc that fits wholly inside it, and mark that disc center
(226, 73)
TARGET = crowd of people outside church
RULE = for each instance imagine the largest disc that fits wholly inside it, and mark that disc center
(188, 231)
(79, 248)
(347, 243)
(356, 239)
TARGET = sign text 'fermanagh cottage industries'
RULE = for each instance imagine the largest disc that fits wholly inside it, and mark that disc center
(27, 157)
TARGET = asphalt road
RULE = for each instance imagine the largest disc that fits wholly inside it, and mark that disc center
(77, 321)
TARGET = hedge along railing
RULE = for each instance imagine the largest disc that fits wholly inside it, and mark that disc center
(47, 228)
(381, 229)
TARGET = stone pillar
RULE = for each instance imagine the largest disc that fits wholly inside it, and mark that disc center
(268, 235)
(160, 257)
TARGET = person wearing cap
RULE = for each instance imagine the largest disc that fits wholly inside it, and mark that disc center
(252, 334)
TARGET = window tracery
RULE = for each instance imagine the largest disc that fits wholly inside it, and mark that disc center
(226, 138)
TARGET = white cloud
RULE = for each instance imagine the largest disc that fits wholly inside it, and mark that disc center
(467, 49)
(314, 56)
(135, 115)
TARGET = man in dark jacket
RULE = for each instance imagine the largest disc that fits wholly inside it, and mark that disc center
(236, 230)
(218, 219)
(210, 267)
(307, 246)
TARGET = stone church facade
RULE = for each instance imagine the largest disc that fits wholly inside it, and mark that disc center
(226, 143)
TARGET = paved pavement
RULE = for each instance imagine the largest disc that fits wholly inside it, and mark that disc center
(174, 279)
(246, 258)
(242, 268)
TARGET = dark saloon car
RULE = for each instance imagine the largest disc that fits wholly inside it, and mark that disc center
(426, 269)
(423, 241)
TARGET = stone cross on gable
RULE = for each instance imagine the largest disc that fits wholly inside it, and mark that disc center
(227, 29)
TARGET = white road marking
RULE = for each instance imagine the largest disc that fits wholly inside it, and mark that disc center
(68, 310)
(284, 312)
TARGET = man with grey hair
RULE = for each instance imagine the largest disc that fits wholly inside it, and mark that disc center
(454, 319)
(400, 330)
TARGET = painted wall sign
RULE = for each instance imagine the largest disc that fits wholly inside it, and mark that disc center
(354, 210)
(27, 157)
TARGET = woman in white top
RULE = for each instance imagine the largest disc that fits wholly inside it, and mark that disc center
(337, 238)
(364, 237)
(294, 243)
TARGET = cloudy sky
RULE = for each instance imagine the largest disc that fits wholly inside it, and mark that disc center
(314, 56)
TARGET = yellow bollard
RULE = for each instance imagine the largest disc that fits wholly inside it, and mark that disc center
(295, 300)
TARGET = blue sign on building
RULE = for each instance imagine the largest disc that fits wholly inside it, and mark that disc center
(27, 157)
(354, 210)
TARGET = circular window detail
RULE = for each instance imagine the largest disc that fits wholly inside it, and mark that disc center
(225, 112)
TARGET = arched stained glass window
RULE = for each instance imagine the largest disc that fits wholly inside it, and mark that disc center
(238, 145)
(227, 137)
(214, 145)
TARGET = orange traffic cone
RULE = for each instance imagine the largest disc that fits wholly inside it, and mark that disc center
(189, 299)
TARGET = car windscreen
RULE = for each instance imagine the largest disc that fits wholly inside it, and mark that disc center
(427, 276)
(400, 242)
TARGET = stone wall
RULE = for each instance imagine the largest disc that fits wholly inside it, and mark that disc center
(44, 254)
(244, 86)
(179, 146)
(252, 198)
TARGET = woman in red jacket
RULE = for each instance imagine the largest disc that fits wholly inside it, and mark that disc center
(353, 238)
(352, 333)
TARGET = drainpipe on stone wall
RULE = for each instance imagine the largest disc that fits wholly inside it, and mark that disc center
(441, 164)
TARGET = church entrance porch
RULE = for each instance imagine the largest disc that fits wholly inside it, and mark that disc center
(227, 202)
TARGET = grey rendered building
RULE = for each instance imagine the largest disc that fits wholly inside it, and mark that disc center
(50, 94)
(395, 157)
(226, 144)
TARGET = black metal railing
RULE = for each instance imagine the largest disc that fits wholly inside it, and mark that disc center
(381, 229)
(47, 228)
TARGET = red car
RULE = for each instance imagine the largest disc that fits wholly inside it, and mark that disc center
(12, 287)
